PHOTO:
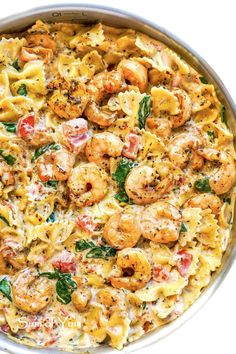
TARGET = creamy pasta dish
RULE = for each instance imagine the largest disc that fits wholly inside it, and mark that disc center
(117, 171)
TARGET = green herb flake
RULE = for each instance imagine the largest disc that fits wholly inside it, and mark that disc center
(123, 169)
(183, 228)
(51, 184)
(22, 90)
(5, 288)
(43, 149)
(102, 251)
(5, 220)
(10, 126)
(202, 185)
(65, 285)
(144, 111)
(227, 200)
(203, 80)
(223, 114)
(10, 160)
(211, 135)
(15, 64)
(144, 305)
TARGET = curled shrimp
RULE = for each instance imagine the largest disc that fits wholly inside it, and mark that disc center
(182, 149)
(144, 185)
(88, 184)
(205, 201)
(31, 293)
(160, 222)
(134, 269)
(102, 146)
(135, 73)
(223, 179)
(185, 107)
(6, 175)
(55, 165)
(123, 229)
(159, 126)
(105, 83)
(80, 298)
(68, 99)
(41, 40)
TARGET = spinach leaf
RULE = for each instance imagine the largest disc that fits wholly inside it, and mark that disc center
(95, 251)
(211, 135)
(52, 184)
(123, 169)
(10, 160)
(43, 149)
(15, 64)
(5, 220)
(203, 80)
(22, 90)
(10, 127)
(65, 285)
(227, 200)
(52, 217)
(144, 111)
(183, 228)
(202, 185)
(144, 305)
(5, 288)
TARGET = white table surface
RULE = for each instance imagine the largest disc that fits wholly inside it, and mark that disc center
(209, 27)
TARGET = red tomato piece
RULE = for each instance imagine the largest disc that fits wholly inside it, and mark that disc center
(25, 126)
(184, 262)
(86, 223)
(160, 274)
(131, 146)
(65, 262)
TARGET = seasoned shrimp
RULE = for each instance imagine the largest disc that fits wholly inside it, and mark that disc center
(105, 83)
(159, 126)
(205, 201)
(36, 53)
(102, 146)
(6, 175)
(31, 293)
(80, 298)
(41, 40)
(135, 73)
(88, 184)
(182, 149)
(134, 270)
(223, 179)
(68, 99)
(55, 165)
(143, 185)
(111, 297)
(160, 222)
(76, 134)
(185, 108)
(123, 229)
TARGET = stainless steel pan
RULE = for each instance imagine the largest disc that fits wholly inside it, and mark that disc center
(89, 14)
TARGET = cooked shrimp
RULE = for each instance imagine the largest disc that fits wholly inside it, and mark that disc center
(159, 126)
(102, 146)
(144, 185)
(6, 175)
(68, 99)
(223, 179)
(31, 293)
(76, 134)
(55, 165)
(123, 229)
(135, 73)
(134, 270)
(41, 40)
(80, 298)
(36, 53)
(182, 149)
(105, 83)
(205, 201)
(185, 107)
(110, 297)
(160, 222)
(88, 184)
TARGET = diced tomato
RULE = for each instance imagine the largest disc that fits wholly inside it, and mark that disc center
(5, 328)
(65, 262)
(131, 147)
(64, 312)
(76, 134)
(184, 262)
(86, 223)
(160, 274)
(25, 126)
(10, 248)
